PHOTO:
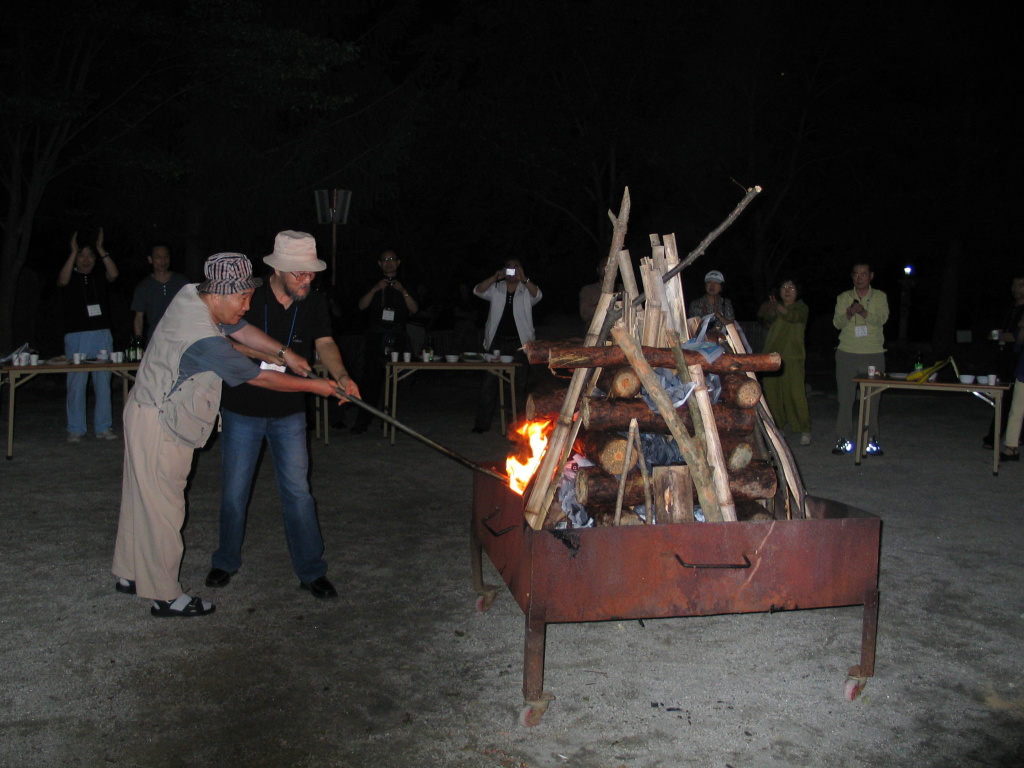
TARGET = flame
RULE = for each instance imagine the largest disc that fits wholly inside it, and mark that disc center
(520, 473)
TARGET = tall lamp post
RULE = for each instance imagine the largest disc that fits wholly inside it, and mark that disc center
(332, 207)
(906, 287)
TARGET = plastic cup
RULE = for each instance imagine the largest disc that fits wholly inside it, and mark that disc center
(77, 357)
(995, 335)
(993, 379)
(407, 357)
(394, 357)
(33, 359)
(871, 371)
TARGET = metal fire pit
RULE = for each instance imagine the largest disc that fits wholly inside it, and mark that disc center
(665, 571)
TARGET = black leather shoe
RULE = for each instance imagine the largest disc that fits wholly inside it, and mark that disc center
(321, 588)
(217, 578)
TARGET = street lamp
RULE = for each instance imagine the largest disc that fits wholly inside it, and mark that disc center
(333, 209)
(906, 287)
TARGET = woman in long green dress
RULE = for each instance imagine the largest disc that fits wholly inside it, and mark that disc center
(785, 390)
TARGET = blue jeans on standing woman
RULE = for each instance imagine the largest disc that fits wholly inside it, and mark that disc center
(89, 343)
(241, 440)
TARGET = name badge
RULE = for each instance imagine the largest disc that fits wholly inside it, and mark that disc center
(388, 315)
(94, 310)
(271, 366)
(860, 331)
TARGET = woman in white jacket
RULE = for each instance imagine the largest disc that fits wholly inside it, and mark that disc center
(509, 326)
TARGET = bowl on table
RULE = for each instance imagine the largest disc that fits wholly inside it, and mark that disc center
(966, 378)
(451, 358)
(506, 358)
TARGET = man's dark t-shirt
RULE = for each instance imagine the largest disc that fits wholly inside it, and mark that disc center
(298, 327)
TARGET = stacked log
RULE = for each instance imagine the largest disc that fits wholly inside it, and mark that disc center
(605, 419)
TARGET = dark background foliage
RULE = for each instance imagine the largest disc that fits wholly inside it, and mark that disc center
(470, 131)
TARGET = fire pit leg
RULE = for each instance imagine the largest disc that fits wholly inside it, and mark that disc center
(858, 675)
(536, 699)
(486, 592)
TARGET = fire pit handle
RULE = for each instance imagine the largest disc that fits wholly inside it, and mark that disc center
(746, 564)
(484, 522)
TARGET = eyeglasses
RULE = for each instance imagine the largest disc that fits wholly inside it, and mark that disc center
(303, 275)
(389, 258)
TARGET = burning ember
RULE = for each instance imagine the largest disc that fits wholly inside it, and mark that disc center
(519, 472)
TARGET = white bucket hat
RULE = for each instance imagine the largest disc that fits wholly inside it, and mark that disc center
(295, 252)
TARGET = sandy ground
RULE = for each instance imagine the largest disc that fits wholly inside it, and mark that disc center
(402, 671)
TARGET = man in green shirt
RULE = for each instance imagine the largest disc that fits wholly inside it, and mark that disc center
(859, 316)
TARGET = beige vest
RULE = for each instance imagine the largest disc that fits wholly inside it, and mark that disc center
(189, 412)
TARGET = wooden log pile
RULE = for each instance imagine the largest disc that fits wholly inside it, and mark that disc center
(734, 467)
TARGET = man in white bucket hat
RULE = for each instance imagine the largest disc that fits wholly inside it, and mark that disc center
(286, 308)
(172, 410)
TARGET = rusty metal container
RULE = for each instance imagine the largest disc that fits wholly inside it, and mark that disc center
(664, 571)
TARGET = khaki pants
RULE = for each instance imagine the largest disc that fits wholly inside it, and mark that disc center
(149, 546)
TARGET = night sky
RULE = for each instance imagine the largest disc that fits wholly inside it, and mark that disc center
(472, 131)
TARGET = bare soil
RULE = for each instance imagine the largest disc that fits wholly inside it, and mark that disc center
(401, 670)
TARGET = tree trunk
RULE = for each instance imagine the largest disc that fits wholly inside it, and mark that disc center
(673, 495)
(595, 486)
(606, 449)
(544, 405)
(567, 356)
(620, 383)
(740, 390)
(601, 415)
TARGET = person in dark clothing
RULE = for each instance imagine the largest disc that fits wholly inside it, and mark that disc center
(387, 305)
(1006, 362)
(285, 308)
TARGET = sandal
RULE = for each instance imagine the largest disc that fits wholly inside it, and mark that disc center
(184, 607)
(1009, 454)
(125, 586)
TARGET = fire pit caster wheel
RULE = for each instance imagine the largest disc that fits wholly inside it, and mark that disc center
(487, 595)
(855, 683)
(531, 714)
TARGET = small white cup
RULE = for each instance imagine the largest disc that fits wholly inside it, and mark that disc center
(996, 334)
(102, 356)
(871, 371)
(993, 380)
(117, 357)
(496, 353)
(77, 357)
(394, 357)
(407, 357)
(25, 358)
(33, 359)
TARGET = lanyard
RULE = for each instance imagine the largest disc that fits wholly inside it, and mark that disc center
(266, 321)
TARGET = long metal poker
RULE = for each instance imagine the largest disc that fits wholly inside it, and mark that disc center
(426, 440)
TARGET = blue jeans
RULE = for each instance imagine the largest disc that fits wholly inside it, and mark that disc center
(241, 440)
(88, 343)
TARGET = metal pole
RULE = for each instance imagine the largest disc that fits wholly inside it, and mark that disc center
(334, 238)
(425, 440)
